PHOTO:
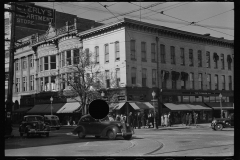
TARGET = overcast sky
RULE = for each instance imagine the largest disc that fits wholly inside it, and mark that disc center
(216, 18)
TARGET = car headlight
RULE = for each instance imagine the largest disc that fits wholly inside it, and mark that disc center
(214, 121)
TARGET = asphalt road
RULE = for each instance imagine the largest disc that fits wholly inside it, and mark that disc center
(145, 142)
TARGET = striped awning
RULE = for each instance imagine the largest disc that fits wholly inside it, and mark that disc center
(69, 107)
(199, 107)
(135, 105)
(45, 108)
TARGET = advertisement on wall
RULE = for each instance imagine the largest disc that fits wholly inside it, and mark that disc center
(37, 17)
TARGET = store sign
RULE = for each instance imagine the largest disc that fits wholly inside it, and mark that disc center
(37, 17)
(67, 47)
(43, 74)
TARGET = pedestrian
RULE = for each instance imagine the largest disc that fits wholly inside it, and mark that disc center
(157, 119)
(143, 120)
(187, 117)
(169, 119)
(195, 119)
(135, 121)
(183, 117)
(190, 119)
(139, 120)
(118, 118)
(165, 120)
(130, 120)
(149, 119)
(162, 120)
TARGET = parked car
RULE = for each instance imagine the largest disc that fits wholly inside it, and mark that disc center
(53, 121)
(105, 127)
(34, 124)
(220, 123)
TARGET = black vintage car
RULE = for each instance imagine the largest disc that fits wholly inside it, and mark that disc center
(34, 124)
(220, 123)
(105, 127)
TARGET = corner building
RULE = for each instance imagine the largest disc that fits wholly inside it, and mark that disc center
(180, 67)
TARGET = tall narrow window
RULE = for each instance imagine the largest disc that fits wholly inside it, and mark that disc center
(69, 58)
(63, 59)
(133, 49)
(172, 49)
(76, 56)
(17, 64)
(191, 57)
(118, 77)
(31, 60)
(200, 82)
(154, 79)
(41, 84)
(153, 52)
(46, 63)
(53, 83)
(183, 80)
(208, 59)
(117, 51)
(46, 85)
(133, 75)
(182, 56)
(144, 77)
(191, 78)
(215, 59)
(24, 63)
(223, 82)
(222, 61)
(63, 81)
(41, 63)
(209, 82)
(230, 82)
(53, 63)
(87, 60)
(163, 54)
(199, 58)
(107, 77)
(106, 51)
(32, 82)
(143, 50)
(97, 54)
(229, 61)
(24, 83)
(216, 82)
(17, 84)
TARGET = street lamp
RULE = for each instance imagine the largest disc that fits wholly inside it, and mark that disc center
(220, 96)
(51, 99)
(154, 94)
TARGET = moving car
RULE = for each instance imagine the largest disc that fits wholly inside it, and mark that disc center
(53, 121)
(220, 123)
(34, 124)
(105, 127)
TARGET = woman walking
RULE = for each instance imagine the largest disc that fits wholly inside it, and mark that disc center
(165, 120)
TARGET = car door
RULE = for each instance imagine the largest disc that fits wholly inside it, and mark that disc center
(232, 120)
(93, 126)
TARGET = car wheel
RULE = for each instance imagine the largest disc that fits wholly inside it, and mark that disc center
(219, 127)
(81, 135)
(127, 137)
(111, 135)
(47, 134)
(97, 136)
(21, 134)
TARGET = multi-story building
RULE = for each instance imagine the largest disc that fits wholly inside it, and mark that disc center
(181, 67)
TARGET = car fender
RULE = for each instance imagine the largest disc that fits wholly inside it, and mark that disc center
(78, 129)
(223, 124)
(115, 129)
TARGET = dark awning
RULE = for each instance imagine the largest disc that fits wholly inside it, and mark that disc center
(177, 107)
(216, 105)
(22, 110)
(55, 108)
(45, 108)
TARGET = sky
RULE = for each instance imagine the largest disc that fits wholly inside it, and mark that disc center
(216, 18)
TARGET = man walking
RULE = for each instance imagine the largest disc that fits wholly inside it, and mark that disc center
(130, 120)
(190, 119)
(187, 117)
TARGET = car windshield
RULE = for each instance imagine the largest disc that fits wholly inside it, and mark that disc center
(29, 119)
(107, 118)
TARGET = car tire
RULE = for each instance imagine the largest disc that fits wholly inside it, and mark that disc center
(97, 136)
(47, 134)
(219, 127)
(128, 137)
(81, 135)
(111, 135)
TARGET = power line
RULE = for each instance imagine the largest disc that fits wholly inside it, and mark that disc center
(213, 30)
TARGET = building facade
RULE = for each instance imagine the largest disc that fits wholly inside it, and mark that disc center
(181, 67)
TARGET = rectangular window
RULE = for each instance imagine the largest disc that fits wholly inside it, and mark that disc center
(53, 63)
(118, 77)
(230, 82)
(76, 56)
(63, 59)
(216, 82)
(208, 59)
(31, 60)
(222, 61)
(154, 77)
(144, 77)
(17, 84)
(182, 56)
(63, 81)
(191, 57)
(174, 84)
(24, 83)
(46, 63)
(163, 54)
(107, 74)
(32, 82)
(41, 64)
(199, 58)
(153, 52)
(41, 84)
(24, 63)
(106, 51)
(172, 50)
(215, 62)
(223, 82)
(46, 85)
(117, 51)
(87, 60)
(143, 50)
(200, 82)
(53, 83)
(209, 82)
(97, 54)
(229, 61)
(183, 84)
(133, 50)
(17, 64)
(133, 75)
(69, 58)
(191, 78)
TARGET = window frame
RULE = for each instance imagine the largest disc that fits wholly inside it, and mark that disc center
(133, 49)
(117, 50)
(222, 62)
(191, 80)
(134, 75)
(46, 64)
(223, 82)
(52, 63)
(216, 81)
(209, 81)
(144, 51)
(144, 77)
(153, 52)
(182, 56)
(106, 53)
(199, 58)
(96, 54)
(68, 59)
(191, 58)
(163, 53)
(154, 77)
(200, 81)
(31, 82)
(118, 77)
(172, 52)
